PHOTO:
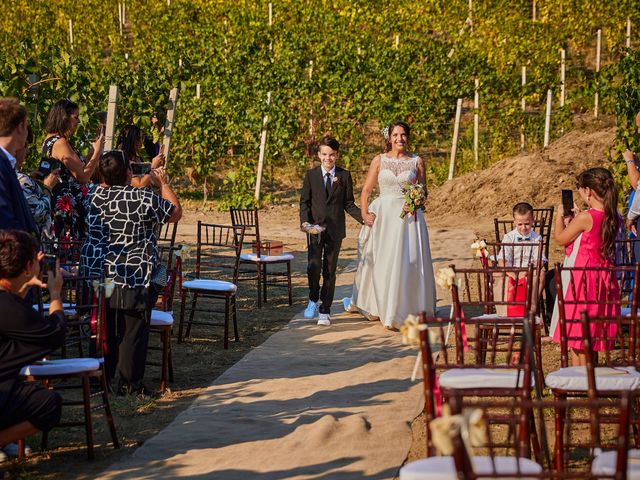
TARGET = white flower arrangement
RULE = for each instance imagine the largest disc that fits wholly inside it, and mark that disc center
(410, 330)
(446, 278)
(479, 248)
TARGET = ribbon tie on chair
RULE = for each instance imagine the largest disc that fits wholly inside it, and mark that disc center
(470, 424)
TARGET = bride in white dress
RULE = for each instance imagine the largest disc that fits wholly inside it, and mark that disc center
(395, 272)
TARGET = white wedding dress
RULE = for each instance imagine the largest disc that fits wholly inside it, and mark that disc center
(395, 271)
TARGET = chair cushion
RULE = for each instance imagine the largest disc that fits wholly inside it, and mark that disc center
(607, 378)
(212, 285)
(161, 318)
(47, 368)
(443, 468)
(493, 316)
(480, 378)
(252, 257)
(67, 308)
(605, 464)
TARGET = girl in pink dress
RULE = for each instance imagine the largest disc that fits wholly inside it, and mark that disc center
(588, 237)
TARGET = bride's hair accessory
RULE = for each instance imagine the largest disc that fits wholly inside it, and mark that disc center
(385, 132)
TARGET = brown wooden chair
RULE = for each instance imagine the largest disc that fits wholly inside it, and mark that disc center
(490, 293)
(542, 222)
(216, 276)
(85, 325)
(475, 454)
(616, 363)
(258, 259)
(484, 370)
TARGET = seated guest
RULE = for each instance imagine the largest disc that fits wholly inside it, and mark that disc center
(25, 336)
(122, 243)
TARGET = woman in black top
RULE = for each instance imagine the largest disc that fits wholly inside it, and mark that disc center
(131, 141)
(25, 337)
(122, 243)
(69, 198)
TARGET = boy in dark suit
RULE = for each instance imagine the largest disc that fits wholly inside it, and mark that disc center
(326, 194)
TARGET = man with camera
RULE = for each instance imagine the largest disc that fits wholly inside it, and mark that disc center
(13, 136)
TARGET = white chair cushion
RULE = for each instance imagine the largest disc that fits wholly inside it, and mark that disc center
(493, 316)
(46, 368)
(212, 285)
(67, 308)
(443, 468)
(605, 464)
(252, 257)
(575, 379)
(161, 318)
(462, 378)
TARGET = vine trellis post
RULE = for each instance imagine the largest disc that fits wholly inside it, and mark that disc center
(112, 112)
(547, 119)
(523, 106)
(263, 147)
(454, 140)
(168, 125)
(476, 119)
(596, 99)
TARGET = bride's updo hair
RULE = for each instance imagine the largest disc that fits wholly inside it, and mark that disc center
(404, 125)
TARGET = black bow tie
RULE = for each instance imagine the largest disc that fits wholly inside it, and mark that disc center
(523, 239)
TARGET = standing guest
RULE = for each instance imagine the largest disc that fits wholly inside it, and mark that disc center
(327, 193)
(589, 240)
(14, 210)
(633, 173)
(70, 196)
(121, 242)
(25, 336)
(130, 141)
(38, 195)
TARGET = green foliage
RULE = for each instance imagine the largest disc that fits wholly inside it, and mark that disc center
(238, 187)
(358, 79)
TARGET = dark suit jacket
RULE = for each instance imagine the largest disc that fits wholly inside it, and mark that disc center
(315, 207)
(14, 210)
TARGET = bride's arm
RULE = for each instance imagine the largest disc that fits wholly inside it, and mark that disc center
(369, 183)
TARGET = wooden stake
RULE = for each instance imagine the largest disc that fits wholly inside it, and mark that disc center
(270, 13)
(454, 140)
(397, 41)
(547, 121)
(596, 99)
(628, 43)
(112, 112)
(471, 13)
(124, 13)
(310, 69)
(263, 147)
(71, 33)
(476, 119)
(523, 104)
(120, 17)
(197, 90)
(562, 77)
(168, 126)
(180, 62)
(533, 11)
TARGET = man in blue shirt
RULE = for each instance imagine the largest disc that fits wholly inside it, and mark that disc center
(14, 210)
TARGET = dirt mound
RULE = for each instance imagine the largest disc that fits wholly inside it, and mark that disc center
(536, 178)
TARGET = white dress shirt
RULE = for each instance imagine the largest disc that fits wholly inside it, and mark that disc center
(11, 158)
(332, 176)
(520, 256)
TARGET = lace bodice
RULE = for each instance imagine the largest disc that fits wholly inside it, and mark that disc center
(395, 173)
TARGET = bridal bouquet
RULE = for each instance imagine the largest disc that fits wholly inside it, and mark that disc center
(414, 197)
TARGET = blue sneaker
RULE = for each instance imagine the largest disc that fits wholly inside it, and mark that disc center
(348, 307)
(312, 310)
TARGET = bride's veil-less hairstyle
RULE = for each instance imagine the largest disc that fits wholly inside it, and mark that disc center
(404, 125)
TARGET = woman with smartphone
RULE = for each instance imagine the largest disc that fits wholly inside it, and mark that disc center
(69, 198)
(131, 141)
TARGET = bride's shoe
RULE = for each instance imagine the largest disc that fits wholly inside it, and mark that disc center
(348, 306)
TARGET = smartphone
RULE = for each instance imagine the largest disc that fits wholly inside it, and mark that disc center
(567, 202)
(48, 263)
(140, 169)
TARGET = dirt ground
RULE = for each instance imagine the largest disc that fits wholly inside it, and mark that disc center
(470, 201)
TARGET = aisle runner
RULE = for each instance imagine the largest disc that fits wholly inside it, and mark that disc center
(311, 402)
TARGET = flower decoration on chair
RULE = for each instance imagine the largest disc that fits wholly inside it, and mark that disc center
(183, 251)
(446, 278)
(410, 330)
(470, 424)
(479, 250)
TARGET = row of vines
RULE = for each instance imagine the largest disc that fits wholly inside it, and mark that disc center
(340, 66)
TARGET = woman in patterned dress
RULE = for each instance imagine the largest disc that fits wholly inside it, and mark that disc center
(69, 197)
(121, 243)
